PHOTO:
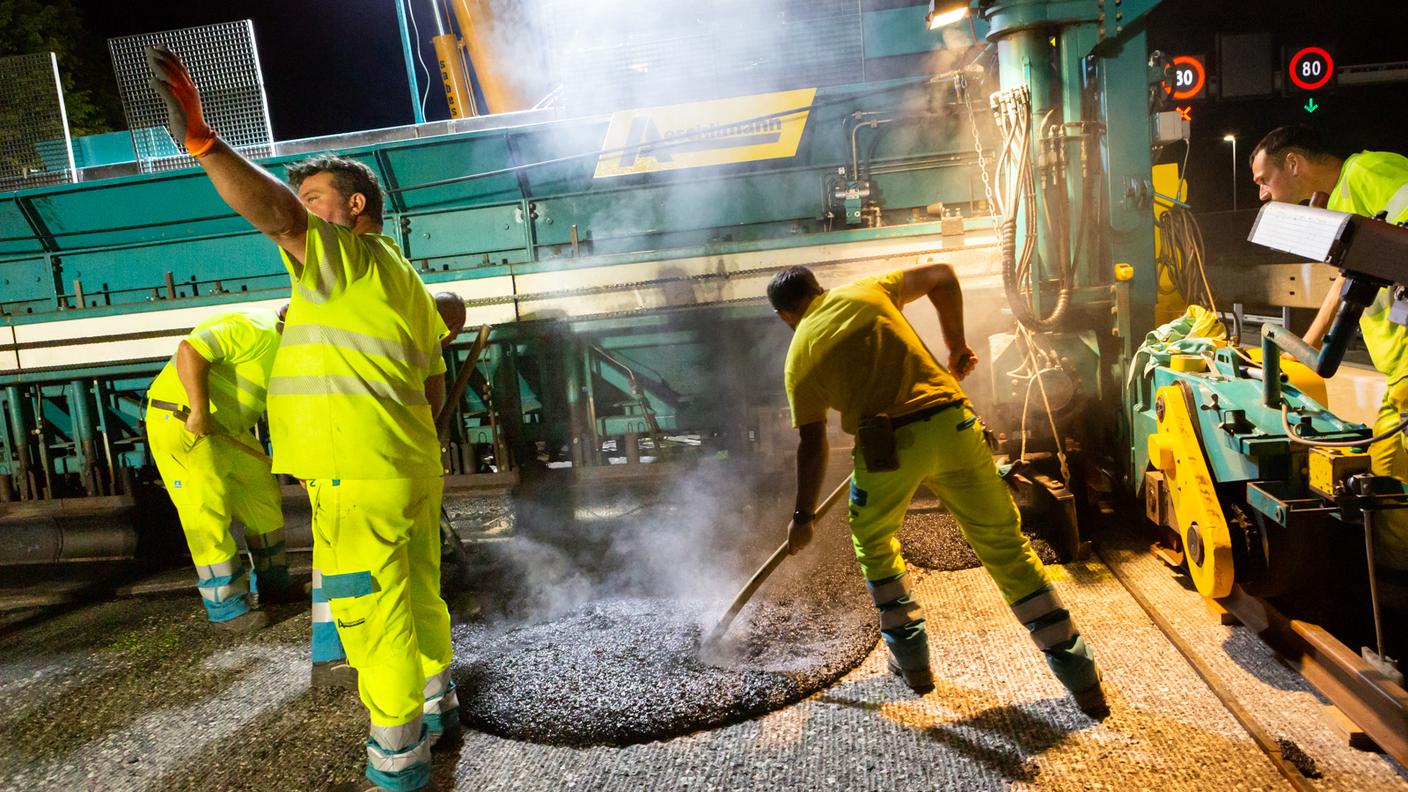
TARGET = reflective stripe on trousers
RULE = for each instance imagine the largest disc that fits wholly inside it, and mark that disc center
(327, 647)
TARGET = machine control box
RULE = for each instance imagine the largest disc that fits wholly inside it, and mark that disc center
(1331, 466)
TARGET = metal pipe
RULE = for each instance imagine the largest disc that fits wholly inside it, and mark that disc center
(100, 391)
(78, 297)
(55, 532)
(490, 63)
(416, 113)
(170, 286)
(43, 444)
(1373, 581)
(81, 429)
(19, 440)
(1270, 369)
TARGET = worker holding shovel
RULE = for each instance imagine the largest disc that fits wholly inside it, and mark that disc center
(852, 350)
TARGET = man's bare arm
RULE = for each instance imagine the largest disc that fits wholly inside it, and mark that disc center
(812, 449)
(435, 393)
(1326, 315)
(194, 372)
(940, 285)
(267, 203)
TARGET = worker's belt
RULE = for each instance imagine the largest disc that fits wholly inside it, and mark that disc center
(922, 415)
(180, 410)
(875, 434)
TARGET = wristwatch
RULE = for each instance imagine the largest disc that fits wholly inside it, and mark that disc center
(802, 518)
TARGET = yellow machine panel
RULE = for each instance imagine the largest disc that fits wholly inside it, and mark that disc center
(1300, 375)
(1330, 466)
(1202, 527)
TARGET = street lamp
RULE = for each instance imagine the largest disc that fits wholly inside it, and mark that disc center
(945, 12)
(1230, 138)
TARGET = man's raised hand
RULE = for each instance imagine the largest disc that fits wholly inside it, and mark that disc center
(173, 83)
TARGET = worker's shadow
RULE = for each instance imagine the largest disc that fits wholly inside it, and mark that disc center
(1001, 737)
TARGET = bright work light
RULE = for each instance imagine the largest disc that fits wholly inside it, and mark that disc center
(945, 12)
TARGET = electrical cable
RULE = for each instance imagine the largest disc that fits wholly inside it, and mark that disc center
(1295, 438)
(425, 95)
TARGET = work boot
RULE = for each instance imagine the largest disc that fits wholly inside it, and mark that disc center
(246, 622)
(448, 736)
(1092, 700)
(920, 680)
(334, 674)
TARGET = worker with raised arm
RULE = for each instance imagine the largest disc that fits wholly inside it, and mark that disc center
(853, 351)
(200, 410)
(351, 398)
(1291, 164)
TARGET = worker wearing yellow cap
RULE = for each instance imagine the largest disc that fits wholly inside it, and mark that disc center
(853, 351)
(351, 397)
(200, 410)
(1291, 164)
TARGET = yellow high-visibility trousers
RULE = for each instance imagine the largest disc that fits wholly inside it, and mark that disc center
(948, 453)
(1390, 458)
(377, 543)
(212, 482)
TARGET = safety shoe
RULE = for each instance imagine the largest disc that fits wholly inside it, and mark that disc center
(334, 674)
(1092, 700)
(920, 680)
(246, 622)
(449, 733)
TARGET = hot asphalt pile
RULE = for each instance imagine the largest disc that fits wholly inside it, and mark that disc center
(623, 670)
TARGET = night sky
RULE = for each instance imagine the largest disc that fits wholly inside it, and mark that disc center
(336, 66)
(329, 66)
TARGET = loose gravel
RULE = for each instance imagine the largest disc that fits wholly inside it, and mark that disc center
(931, 539)
(617, 670)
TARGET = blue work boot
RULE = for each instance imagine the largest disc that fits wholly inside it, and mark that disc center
(902, 627)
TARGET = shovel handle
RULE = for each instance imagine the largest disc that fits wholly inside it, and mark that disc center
(773, 562)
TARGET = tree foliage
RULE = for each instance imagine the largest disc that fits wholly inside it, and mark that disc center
(90, 94)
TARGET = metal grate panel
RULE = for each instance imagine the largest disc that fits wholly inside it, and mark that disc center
(701, 51)
(34, 142)
(224, 63)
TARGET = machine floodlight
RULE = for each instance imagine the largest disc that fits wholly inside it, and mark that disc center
(945, 12)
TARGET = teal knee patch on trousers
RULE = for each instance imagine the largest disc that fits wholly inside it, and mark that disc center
(350, 584)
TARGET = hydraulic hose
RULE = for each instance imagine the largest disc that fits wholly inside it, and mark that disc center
(1295, 438)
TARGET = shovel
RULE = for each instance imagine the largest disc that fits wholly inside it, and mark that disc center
(774, 561)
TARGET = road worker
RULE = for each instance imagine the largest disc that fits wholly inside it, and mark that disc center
(353, 389)
(1291, 164)
(200, 410)
(852, 350)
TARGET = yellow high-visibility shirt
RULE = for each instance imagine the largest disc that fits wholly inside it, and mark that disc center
(347, 395)
(240, 346)
(1372, 182)
(854, 352)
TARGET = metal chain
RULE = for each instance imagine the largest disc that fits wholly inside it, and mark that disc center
(978, 146)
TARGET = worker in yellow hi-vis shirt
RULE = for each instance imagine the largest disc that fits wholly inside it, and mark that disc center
(1292, 163)
(351, 397)
(200, 410)
(853, 351)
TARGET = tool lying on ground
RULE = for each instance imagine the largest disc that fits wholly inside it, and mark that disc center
(442, 426)
(773, 562)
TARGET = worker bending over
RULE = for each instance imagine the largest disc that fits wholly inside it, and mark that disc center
(1292, 163)
(351, 396)
(200, 410)
(853, 351)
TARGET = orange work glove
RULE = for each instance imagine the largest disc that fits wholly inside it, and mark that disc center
(173, 84)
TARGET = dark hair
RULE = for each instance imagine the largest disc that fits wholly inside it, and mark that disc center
(1296, 137)
(792, 289)
(348, 175)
